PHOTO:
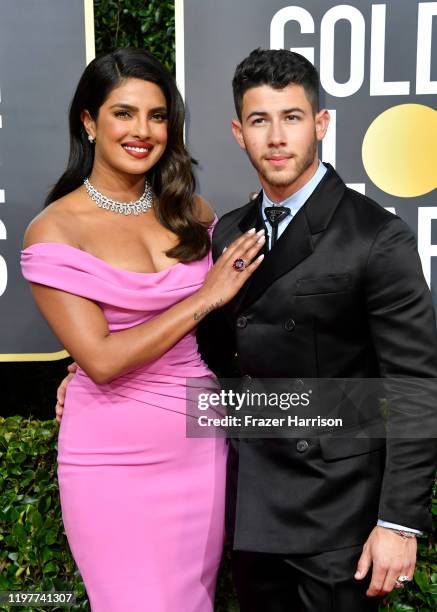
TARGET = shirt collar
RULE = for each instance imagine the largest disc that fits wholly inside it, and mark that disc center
(298, 199)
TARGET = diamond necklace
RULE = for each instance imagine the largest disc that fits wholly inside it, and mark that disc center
(124, 208)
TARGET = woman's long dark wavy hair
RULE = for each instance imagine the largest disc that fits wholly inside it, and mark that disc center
(171, 177)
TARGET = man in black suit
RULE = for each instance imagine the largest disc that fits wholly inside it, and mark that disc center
(320, 522)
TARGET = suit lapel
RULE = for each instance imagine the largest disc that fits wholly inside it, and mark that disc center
(296, 243)
(322, 203)
(253, 217)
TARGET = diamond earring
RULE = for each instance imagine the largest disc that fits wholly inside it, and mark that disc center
(91, 139)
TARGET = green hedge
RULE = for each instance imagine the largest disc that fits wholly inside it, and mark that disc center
(34, 553)
(136, 23)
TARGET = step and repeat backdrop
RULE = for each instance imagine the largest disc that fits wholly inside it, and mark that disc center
(378, 70)
(44, 48)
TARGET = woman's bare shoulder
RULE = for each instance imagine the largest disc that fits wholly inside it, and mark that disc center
(204, 212)
(55, 223)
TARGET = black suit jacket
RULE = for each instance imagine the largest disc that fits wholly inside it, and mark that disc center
(341, 295)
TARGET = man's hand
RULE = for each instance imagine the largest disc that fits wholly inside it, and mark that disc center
(391, 556)
(62, 389)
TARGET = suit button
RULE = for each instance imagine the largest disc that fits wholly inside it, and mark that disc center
(241, 322)
(302, 446)
(289, 325)
(299, 385)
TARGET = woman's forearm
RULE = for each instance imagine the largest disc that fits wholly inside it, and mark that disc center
(119, 352)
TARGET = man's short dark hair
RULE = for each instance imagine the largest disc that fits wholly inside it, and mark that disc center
(276, 68)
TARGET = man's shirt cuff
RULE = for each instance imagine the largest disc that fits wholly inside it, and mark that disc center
(394, 526)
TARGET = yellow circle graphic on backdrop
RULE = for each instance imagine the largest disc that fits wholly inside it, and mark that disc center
(400, 150)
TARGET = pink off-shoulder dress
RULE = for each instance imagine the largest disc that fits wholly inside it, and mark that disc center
(142, 504)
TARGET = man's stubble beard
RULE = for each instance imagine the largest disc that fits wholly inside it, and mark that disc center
(281, 178)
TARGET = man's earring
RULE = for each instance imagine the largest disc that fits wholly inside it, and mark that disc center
(91, 139)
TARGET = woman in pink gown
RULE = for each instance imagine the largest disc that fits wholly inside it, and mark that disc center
(142, 504)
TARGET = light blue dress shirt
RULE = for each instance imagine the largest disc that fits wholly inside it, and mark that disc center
(295, 203)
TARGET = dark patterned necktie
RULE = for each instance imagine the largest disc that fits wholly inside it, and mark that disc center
(275, 214)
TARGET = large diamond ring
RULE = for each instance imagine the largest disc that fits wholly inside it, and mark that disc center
(403, 579)
(239, 264)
